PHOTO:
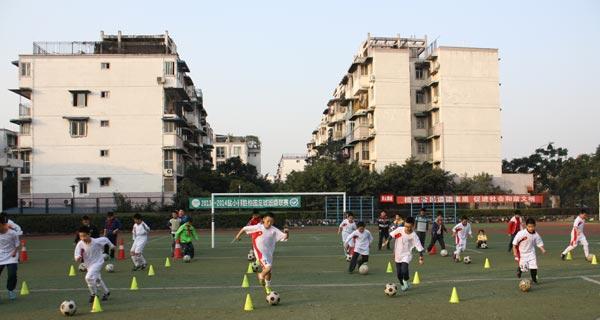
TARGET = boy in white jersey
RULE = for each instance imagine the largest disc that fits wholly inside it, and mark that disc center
(140, 238)
(460, 233)
(264, 245)
(362, 239)
(405, 240)
(524, 245)
(9, 257)
(577, 236)
(346, 228)
(91, 251)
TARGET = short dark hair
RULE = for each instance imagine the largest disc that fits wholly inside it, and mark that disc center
(410, 220)
(84, 229)
(86, 217)
(530, 221)
(110, 214)
(137, 216)
(255, 212)
(349, 213)
(360, 224)
(517, 212)
(583, 210)
(464, 218)
(423, 209)
(3, 219)
(268, 214)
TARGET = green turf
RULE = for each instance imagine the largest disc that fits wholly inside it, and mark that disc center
(310, 274)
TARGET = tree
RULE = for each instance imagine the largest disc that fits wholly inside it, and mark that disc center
(482, 183)
(579, 180)
(414, 178)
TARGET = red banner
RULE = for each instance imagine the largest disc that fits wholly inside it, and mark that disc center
(386, 198)
(498, 198)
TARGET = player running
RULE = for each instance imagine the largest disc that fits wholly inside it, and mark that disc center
(90, 251)
(460, 233)
(577, 236)
(524, 245)
(346, 228)
(140, 238)
(405, 240)
(362, 239)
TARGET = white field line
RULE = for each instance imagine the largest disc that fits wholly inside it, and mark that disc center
(322, 285)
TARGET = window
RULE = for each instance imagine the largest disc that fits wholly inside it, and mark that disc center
(420, 123)
(104, 153)
(420, 96)
(26, 157)
(104, 65)
(78, 128)
(104, 94)
(422, 147)
(79, 98)
(220, 152)
(169, 68)
(169, 184)
(169, 127)
(25, 186)
(365, 150)
(104, 123)
(104, 182)
(25, 69)
(364, 70)
(169, 159)
(419, 73)
(25, 128)
(83, 187)
(237, 151)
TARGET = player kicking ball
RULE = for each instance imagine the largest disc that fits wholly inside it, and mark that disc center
(267, 236)
(577, 236)
(405, 240)
(140, 238)
(460, 233)
(91, 250)
(347, 226)
(524, 249)
(362, 239)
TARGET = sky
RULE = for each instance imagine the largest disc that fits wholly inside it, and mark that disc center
(267, 68)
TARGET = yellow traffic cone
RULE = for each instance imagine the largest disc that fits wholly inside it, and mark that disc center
(167, 263)
(245, 283)
(72, 271)
(454, 296)
(24, 289)
(151, 271)
(134, 285)
(389, 268)
(569, 256)
(487, 265)
(96, 307)
(249, 270)
(594, 261)
(248, 306)
(416, 279)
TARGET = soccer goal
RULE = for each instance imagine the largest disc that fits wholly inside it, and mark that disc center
(259, 200)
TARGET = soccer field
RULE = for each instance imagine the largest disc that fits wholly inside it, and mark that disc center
(310, 275)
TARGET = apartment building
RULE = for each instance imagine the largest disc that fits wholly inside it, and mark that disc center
(405, 97)
(247, 148)
(118, 115)
(8, 158)
(289, 163)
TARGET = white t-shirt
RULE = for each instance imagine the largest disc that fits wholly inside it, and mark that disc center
(462, 231)
(404, 244)
(9, 241)
(362, 241)
(15, 227)
(140, 231)
(347, 228)
(266, 238)
(526, 243)
(578, 225)
(92, 252)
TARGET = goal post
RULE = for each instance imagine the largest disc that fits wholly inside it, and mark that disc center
(258, 194)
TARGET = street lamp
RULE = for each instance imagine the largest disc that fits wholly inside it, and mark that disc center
(72, 198)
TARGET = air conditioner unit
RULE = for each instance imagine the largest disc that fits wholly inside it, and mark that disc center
(168, 172)
(161, 80)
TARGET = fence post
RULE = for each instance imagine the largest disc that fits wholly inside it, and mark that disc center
(325, 205)
(47, 206)
(98, 205)
(21, 202)
(372, 209)
(73, 205)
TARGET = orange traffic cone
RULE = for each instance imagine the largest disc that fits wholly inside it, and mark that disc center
(23, 256)
(121, 255)
(178, 254)
(433, 250)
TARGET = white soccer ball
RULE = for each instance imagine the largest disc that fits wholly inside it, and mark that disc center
(110, 268)
(484, 246)
(363, 269)
(524, 285)
(467, 259)
(255, 266)
(391, 289)
(105, 256)
(82, 267)
(187, 258)
(348, 258)
(250, 256)
(68, 308)
(273, 298)
(444, 253)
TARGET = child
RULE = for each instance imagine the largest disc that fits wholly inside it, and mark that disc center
(94, 233)
(577, 236)
(437, 233)
(140, 238)
(524, 245)
(12, 225)
(111, 231)
(460, 233)
(397, 223)
(264, 245)
(90, 251)
(406, 240)
(362, 239)
(384, 230)
(254, 220)
(174, 224)
(481, 239)
(9, 259)
(186, 234)
(515, 224)
(346, 228)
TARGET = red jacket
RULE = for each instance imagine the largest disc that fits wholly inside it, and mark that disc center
(514, 225)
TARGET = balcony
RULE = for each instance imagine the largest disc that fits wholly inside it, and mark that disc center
(361, 85)
(172, 141)
(361, 132)
(338, 135)
(434, 131)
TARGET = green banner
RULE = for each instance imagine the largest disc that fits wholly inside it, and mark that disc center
(234, 202)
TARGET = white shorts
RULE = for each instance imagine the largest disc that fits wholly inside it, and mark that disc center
(461, 245)
(579, 240)
(528, 263)
(93, 271)
(404, 258)
(266, 260)
(138, 246)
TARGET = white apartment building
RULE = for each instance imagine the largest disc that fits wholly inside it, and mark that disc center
(247, 148)
(403, 97)
(119, 115)
(289, 163)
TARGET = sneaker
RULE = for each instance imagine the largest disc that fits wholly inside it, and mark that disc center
(563, 256)
(105, 296)
(408, 286)
(519, 273)
(12, 295)
(92, 297)
(403, 286)
(143, 267)
(135, 268)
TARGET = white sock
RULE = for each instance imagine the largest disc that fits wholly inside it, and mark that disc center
(569, 248)
(91, 286)
(142, 260)
(268, 283)
(586, 250)
(101, 283)
(134, 259)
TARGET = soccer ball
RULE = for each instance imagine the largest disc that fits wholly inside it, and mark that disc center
(524, 285)
(484, 246)
(273, 298)
(82, 267)
(105, 256)
(187, 258)
(590, 257)
(391, 289)
(251, 255)
(110, 268)
(255, 266)
(444, 253)
(467, 259)
(68, 308)
(363, 269)
(348, 258)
